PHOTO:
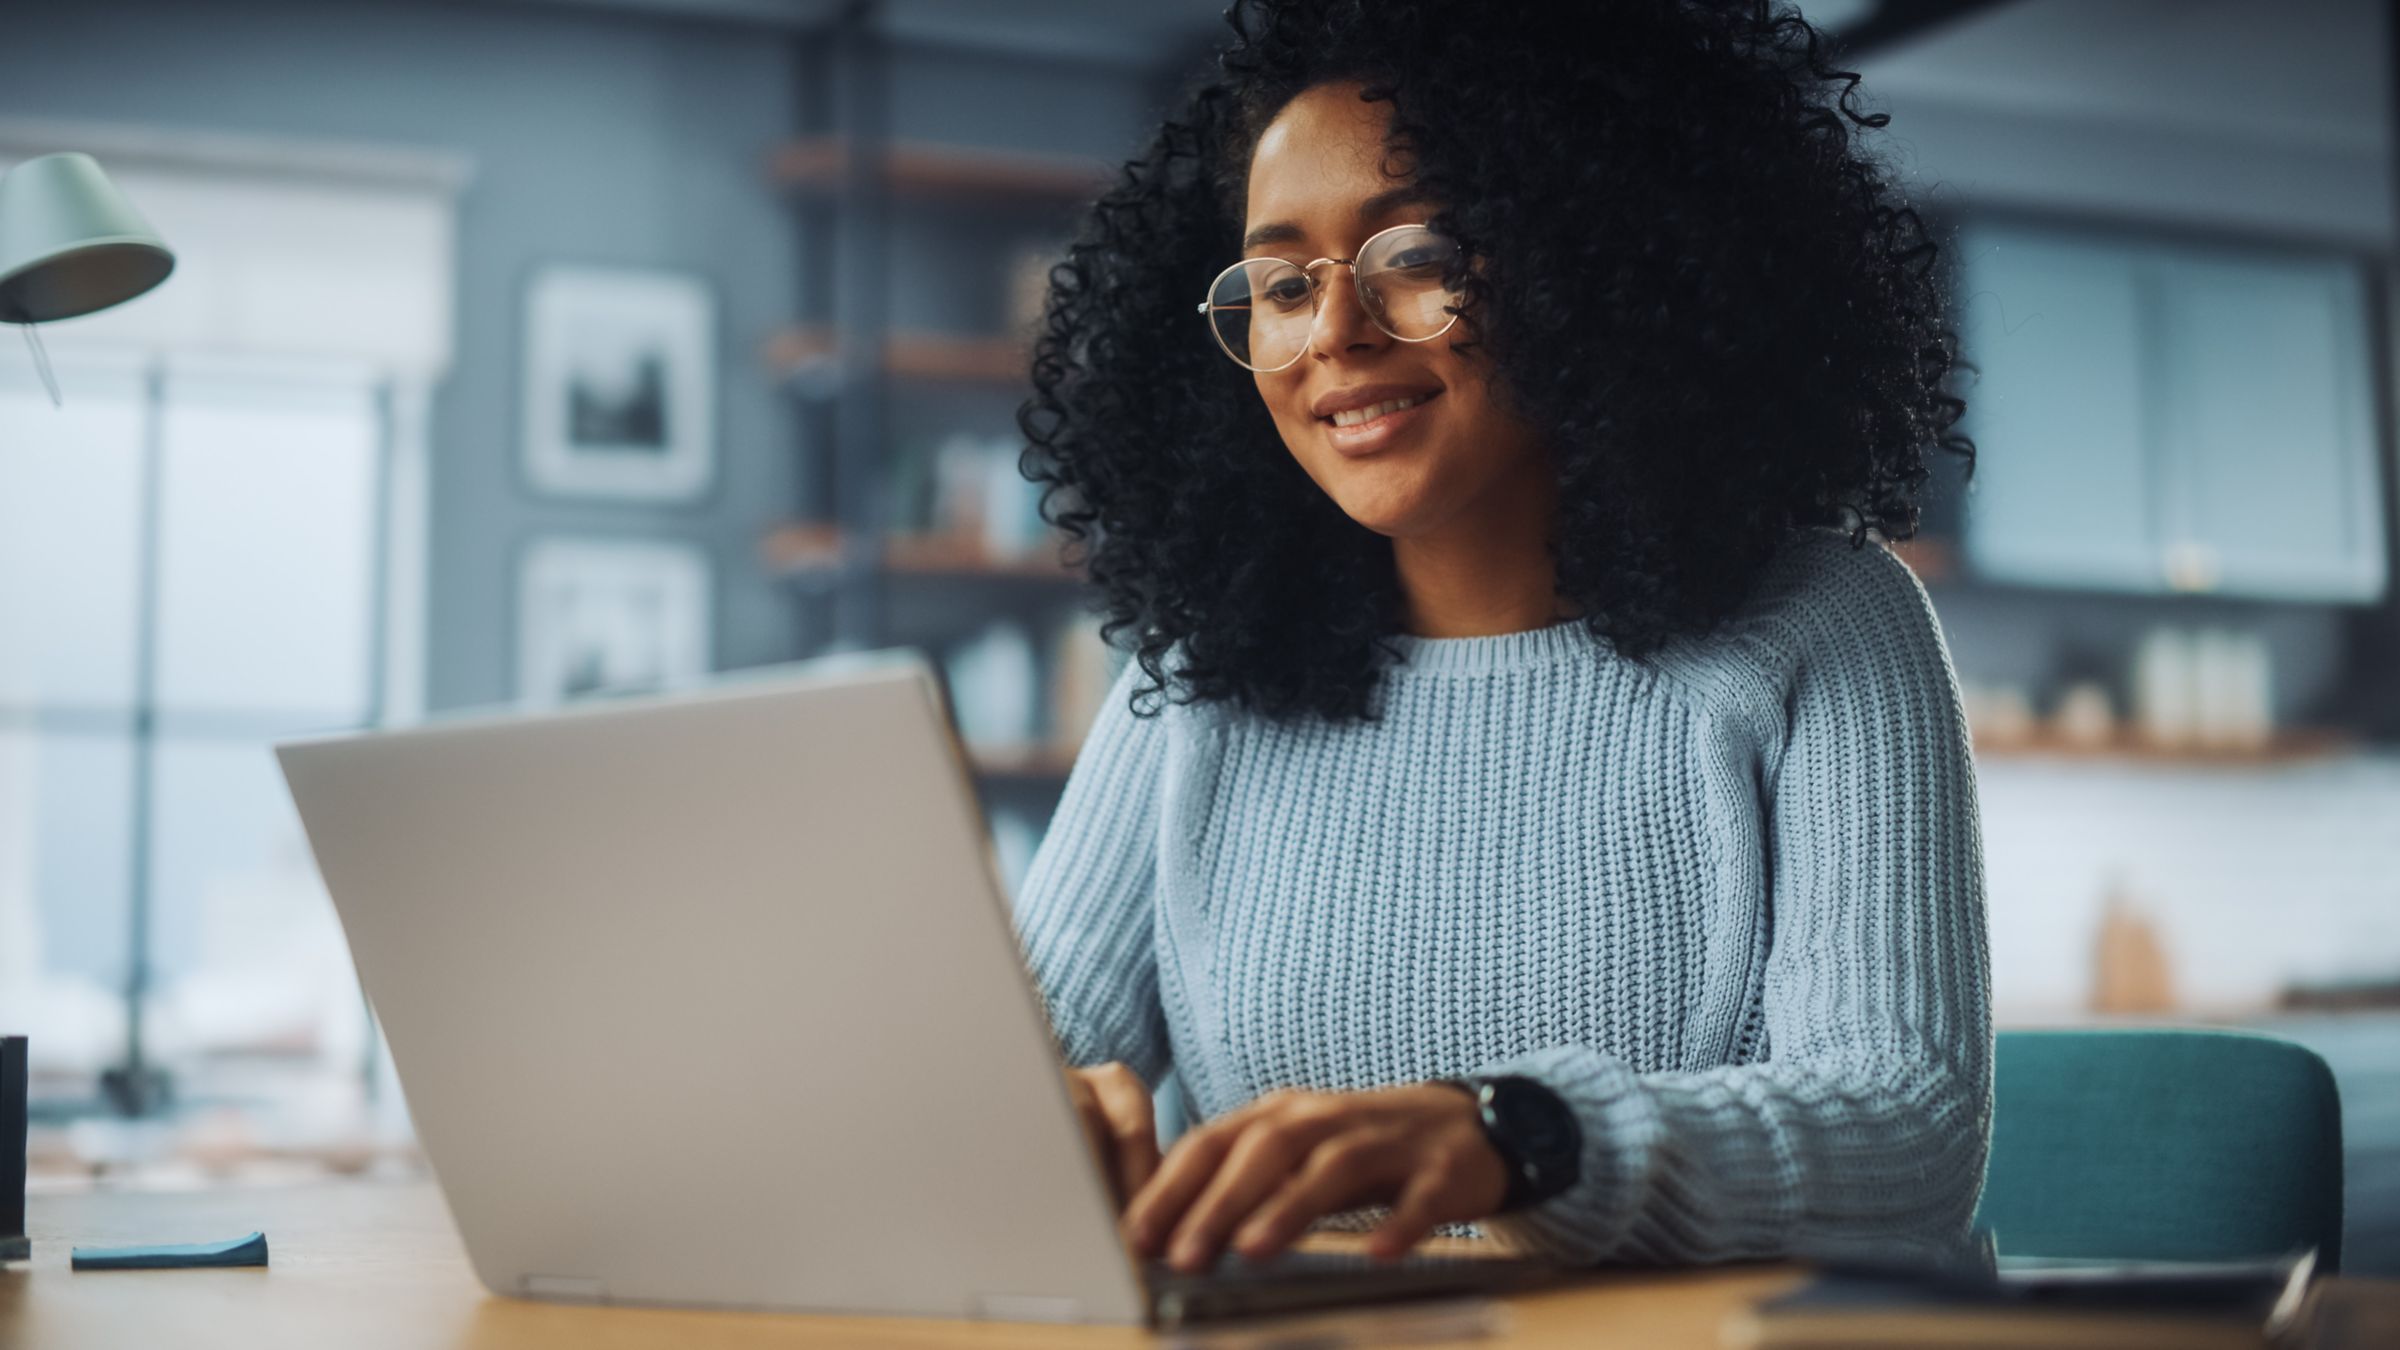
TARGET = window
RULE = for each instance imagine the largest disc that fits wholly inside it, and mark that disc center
(193, 563)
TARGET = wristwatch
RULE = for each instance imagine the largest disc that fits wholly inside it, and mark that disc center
(1533, 1130)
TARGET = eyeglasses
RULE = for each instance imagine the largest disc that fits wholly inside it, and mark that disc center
(1263, 310)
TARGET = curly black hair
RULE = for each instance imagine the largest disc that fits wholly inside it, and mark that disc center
(1697, 281)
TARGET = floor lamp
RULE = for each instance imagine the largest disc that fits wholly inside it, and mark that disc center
(70, 245)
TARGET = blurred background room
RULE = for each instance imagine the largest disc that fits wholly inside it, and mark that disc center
(525, 350)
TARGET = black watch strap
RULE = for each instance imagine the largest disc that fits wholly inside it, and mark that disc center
(1533, 1130)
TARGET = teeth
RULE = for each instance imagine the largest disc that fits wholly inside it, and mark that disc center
(1352, 417)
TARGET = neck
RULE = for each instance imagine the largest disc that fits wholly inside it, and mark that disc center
(1486, 573)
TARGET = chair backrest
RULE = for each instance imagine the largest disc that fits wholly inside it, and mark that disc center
(2162, 1144)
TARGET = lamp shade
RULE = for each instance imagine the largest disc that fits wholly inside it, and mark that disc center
(70, 243)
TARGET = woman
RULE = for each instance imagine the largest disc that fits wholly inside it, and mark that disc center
(1558, 817)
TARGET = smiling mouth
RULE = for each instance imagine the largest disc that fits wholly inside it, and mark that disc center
(1359, 417)
(1385, 426)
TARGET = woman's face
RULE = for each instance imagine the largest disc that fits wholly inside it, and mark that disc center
(1316, 191)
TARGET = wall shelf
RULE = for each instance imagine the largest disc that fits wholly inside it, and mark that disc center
(2288, 746)
(801, 551)
(926, 171)
(880, 549)
(812, 354)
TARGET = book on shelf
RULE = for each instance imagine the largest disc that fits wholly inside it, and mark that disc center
(993, 679)
(1006, 716)
(961, 485)
(1085, 669)
(1013, 724)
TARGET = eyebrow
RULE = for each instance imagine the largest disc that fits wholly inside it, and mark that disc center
(1285, 232)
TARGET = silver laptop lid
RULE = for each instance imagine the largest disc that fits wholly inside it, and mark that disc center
(712, 998)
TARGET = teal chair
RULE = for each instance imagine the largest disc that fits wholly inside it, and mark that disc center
(2162, 1144)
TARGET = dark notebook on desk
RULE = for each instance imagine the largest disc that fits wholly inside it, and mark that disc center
(2200, 1305)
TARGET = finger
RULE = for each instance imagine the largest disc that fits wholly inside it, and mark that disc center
(1259, 1163)
(1096, 1132)
(1344, 1171)
(1139, 1158)
(1419, 1208)
(1125, 1100)
(1152, 1214)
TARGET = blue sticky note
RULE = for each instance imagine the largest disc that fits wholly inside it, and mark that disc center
(243, 1251)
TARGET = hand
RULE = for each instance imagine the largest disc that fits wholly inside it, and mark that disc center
(1263, 1173)
(1114, 1104)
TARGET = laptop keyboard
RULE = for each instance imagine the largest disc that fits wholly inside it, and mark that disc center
(1233, 1266)
(1235, 1286)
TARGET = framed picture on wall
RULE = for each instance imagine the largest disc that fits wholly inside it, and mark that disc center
(620, 393)
(609, 615)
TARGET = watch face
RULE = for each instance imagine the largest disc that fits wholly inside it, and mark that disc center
(1542, 1127)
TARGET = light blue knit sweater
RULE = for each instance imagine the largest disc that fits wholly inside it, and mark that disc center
(1730, 907)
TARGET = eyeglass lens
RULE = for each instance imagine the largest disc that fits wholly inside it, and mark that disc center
(1263, 308)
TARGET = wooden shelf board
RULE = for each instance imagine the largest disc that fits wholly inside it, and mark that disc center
(925, 170)
(941, 554)
(801, 548)
(919, 356)
(810, 547)
(2294, 744)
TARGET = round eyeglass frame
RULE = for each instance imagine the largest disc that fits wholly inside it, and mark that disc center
(1316, 302)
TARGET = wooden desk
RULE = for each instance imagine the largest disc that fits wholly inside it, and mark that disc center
(363, 1266)
(366, 1266)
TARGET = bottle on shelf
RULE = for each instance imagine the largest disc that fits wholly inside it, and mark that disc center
(2130, 970)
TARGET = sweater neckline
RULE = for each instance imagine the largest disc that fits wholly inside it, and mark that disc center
(1494, 651)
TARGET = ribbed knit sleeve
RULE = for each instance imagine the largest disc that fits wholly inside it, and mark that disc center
(1084, 908)
(1867, 1117)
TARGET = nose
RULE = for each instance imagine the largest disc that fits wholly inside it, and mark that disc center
(1341, 322)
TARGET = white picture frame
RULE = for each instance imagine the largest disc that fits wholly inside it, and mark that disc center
(620, 397)
(610, 616)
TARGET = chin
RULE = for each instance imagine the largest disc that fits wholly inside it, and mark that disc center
(1384, 516)
(1380, 492)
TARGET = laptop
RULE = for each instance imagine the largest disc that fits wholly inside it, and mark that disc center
(711, 998)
